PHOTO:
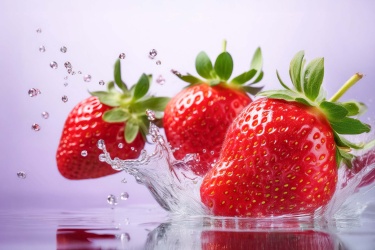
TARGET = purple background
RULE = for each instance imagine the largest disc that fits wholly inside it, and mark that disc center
(96, 32)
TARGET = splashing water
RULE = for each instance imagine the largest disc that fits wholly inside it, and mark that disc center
(176, 188)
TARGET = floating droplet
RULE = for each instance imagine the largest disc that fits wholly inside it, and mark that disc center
(158, 62)
(34, 92)
(124, 196)
(112, 200)
(124, 180)
(102, 158)
(66, 78)
(150, 115)
(160, 80)
(152, 54)
(125, 237)
(35, 127)
(68, 65)
(64, 98)
(101, 82)
(175, 72)
(73, 72)
(87, 78)
(79, 72)
(204, 151)
(45, 114)
(66, 84)
(120, 145)
(21, 175)
(84, 153)
(132, 148)
(122, 56)
(100, 144)
(38, 30)
(53, 65)
(63, 49)
(42, 49)
(212, 152)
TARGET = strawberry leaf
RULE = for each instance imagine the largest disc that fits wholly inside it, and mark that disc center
(224, 66)
(153, 103)
(313, 78)
(295, 70)
(259, 78)
(190, 79)
(342, 142)
(354, 108)
(111, 87)
(203, 65)
(333, 111)
(244, 77)
(281, 81)
(252, 90)
(350, 126)
(131, 131)
(117, 76)
(257, 63)
(142, 86)
(115, 115)
(108, 98)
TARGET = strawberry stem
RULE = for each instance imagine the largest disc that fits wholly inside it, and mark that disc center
(349, 83)
(224, 45)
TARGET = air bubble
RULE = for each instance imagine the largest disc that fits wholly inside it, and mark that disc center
(63, 49)
(160, 80)
(158, 62)
(39, 30)
(122, 56)
(68, 65)
(152, 54)
(100, 144)
(101, 82)
(120, 145)
(125, 237)
(124, 180)
(84, 153)
(42, 49)
(124, 196)
(79, 72)
(150, 115)
(34, 92)
(64, 98)
(35, 127)
(175, 72)
(66, 78)
(66, 84)
(112, 200)
(45, 114)
(53, 65)
(87, 78)
(21, 174)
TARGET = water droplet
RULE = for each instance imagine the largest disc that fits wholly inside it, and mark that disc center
(100, 144)
(35, 127)
(45, 114)
(124, 180)
(42, 49)
(79, 72)
(65, 84)
(84, 153)
(101, 82)
(87, 78)
(63, 49)
(102, 158)
(126, 221)
(175, 72)
(73, 72)
(68, 65)
(120, 145)
(152, 54)
(160, 80)
(158, 62)
(112, 200)
(212, 152)
(21, 174)
(64, 98)
(34, 92)
(125, 237)
(150, 115)
(69, 71)
(66, 78)
(204, 151)
(53, 65)
(122, 56)
(132, 148)
(39, 30)
(124, 196)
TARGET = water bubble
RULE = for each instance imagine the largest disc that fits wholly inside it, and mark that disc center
(63, 49)
(64, 98)
(122, 56)
(102, 158)
(68, 65)
(69, 71)
(53, 65)
(42, 49)
(45, 114)
(175, 72)
(39, 30)
(152, 54)
(160, 80)
(87, 78)
(34, 92)
(84, 153)
(158, 62)
(35, 127)
(112, 200)
(101, 82)
(73, 72)
(66, 78)
(120, 145)
(21, 174)
(79, 72)
(124, 196)
(124, 180)
(100, 144)
(125, 237)
(150, 115)
(66, 84)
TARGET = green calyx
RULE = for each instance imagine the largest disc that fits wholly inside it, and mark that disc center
(130, 105)
(221, 71)
(307, 81)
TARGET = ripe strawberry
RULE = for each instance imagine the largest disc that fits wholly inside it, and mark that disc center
(118, 118)
(196, 119)
(281, 153)
(78, 238)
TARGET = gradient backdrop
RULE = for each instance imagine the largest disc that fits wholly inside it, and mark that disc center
(96, 32)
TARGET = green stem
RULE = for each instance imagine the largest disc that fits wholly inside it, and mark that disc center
(349, 83)
(224, 45)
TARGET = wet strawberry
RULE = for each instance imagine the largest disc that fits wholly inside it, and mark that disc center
(117, 117)
(281, 153)
(197, 118)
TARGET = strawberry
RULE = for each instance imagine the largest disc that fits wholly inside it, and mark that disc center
(197, 118)
(117, 117)
(281, 154)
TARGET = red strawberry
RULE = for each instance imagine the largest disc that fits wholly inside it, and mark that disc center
(118, 118)
(197, 118)
(281, 156)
